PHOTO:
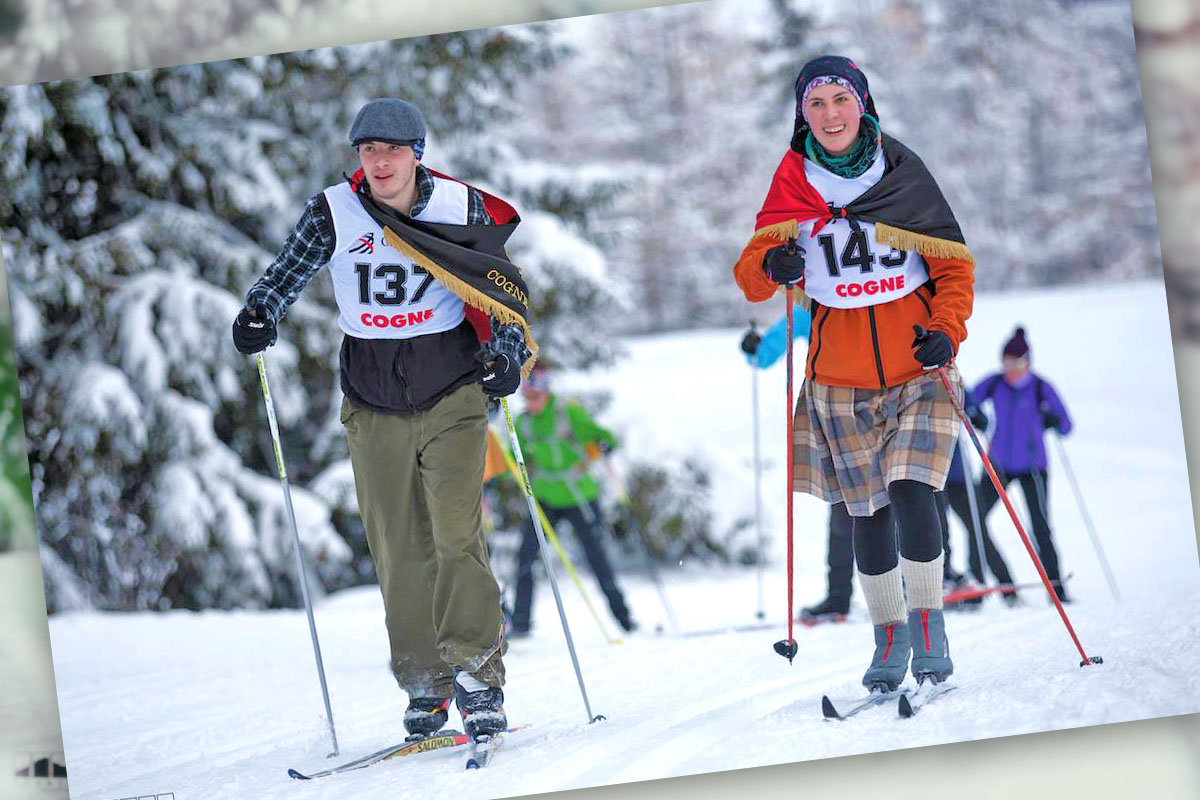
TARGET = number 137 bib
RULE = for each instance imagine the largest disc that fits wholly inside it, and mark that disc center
(380, 293)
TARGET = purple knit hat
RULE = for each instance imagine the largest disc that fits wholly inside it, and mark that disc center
(833, 69)
(1016, 347)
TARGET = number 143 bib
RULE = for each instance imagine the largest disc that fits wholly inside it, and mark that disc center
(844, 267)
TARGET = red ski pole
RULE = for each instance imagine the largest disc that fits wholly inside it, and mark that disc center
(787, 647)
(1012, 512)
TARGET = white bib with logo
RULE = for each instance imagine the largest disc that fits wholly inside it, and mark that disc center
(382, 294)
(844, 268)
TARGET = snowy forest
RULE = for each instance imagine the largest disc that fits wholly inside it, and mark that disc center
(637, 146)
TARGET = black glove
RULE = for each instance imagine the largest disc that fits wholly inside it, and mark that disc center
(1051, 420)
(501, 375)
(784, 263)
(502, 358)
(978, 419)
(750, 342)
(253, 331)
(933, 348)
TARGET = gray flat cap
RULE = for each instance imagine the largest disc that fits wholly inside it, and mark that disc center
(388, 120)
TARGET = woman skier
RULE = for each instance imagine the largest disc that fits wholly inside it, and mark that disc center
(855, 219)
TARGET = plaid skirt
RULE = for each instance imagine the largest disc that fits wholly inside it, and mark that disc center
(849, 444)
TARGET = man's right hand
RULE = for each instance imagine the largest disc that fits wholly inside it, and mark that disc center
(252, 332)
(978, 419)
(784, 263)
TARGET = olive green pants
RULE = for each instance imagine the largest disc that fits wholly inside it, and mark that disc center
(419, 481)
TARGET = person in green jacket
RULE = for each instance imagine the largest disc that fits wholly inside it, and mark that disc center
(556, 436)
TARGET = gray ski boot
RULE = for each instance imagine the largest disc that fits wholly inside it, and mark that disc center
(890, 660)
(930, 647)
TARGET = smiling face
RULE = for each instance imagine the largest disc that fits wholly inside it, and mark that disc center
(832, 113)
(391, 171)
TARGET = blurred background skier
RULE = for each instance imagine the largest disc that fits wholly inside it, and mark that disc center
(958, 485)
(762, 351)
(1025, 406)
(555, 436)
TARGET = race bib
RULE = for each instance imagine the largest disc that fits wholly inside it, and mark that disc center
(382, 294)
(844, 267)
(847, 268)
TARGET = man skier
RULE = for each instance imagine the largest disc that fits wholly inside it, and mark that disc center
(406, 247)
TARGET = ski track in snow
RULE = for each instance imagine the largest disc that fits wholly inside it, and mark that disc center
(220, 704)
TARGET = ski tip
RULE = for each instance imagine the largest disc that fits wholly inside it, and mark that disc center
(906, 709)
(827, 708)
(297, 775)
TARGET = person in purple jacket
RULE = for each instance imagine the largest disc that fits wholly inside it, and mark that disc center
(1025, 406)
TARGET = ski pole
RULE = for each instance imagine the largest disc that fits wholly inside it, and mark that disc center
(562, 554)
(623, 499)
(287, 496)
(1087, 518)
(758, 512)
(987, 464)
(537, 527)
(973, 502)
(787, 647)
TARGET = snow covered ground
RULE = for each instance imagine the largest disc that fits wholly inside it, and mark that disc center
(217, 705)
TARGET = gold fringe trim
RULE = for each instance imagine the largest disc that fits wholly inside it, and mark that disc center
(885, 234)
(467, 293)
(788, 229)
(925, 245)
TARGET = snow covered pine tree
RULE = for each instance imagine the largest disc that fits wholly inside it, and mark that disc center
(418, 263)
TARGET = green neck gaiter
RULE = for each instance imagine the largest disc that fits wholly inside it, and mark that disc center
(857, 160)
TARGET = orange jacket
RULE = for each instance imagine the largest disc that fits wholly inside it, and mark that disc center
(871, 347)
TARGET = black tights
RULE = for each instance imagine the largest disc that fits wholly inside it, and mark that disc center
(915, 510)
